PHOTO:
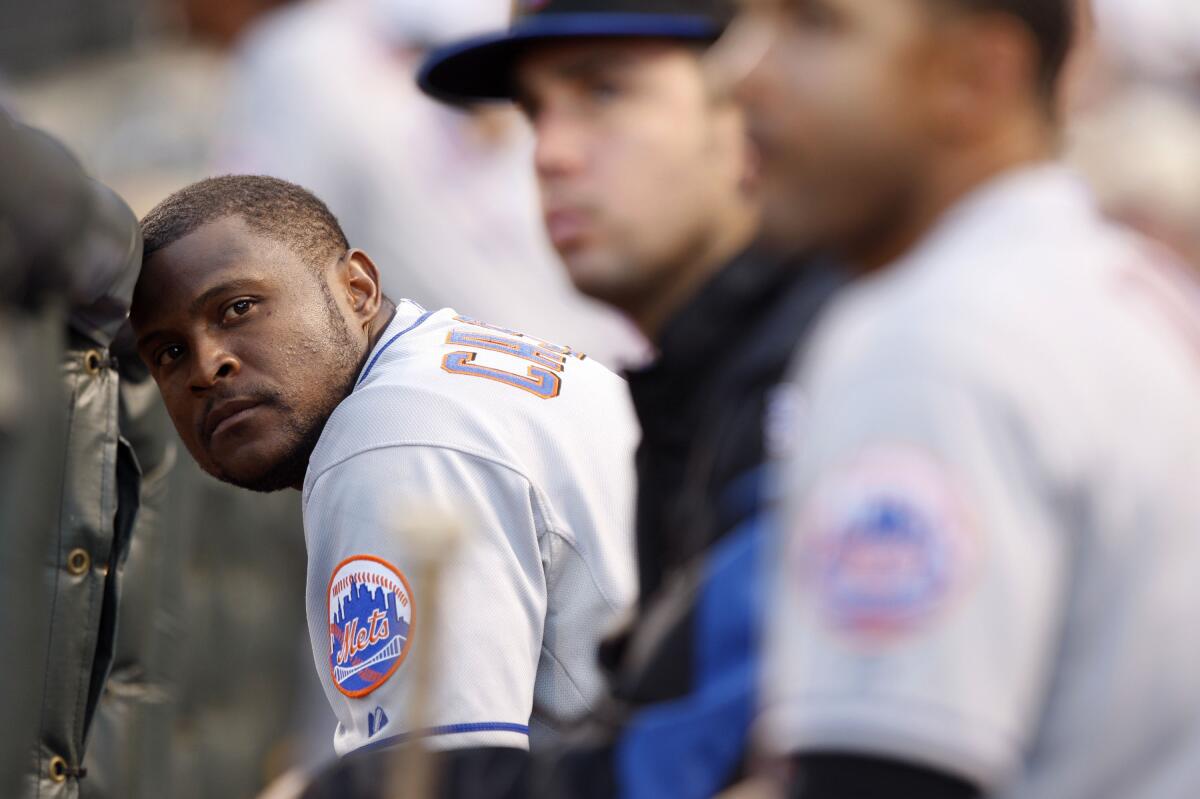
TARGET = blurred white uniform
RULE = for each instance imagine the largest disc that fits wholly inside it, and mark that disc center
(446, 204)
(992, 524)
(533, 446)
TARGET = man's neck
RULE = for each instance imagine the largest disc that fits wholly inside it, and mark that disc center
(387, 312)
(686, 277)
(375, 330)
(954, 177)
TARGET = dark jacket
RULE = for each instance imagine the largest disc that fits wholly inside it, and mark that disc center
(683, 673)
(702, 402)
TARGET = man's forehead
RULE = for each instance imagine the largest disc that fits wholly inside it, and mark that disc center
(213, 243)
(217, 253)
(856, 7)
(579, 58)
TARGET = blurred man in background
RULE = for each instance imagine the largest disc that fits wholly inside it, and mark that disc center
(322, 94)
(989, 532)
(1139, 147)
(649, 193)
(1134, 108)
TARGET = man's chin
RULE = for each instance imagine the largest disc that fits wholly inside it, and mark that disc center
(602, 278)
(264, 475)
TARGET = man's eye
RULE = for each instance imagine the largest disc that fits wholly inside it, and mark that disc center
(168, 355)
(236, 309)
(604, 90)
(813, 14)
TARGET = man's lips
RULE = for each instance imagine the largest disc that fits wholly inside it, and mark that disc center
(566, 226)
(225, 414)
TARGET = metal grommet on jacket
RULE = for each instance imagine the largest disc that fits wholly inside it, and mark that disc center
(93, 362)
(78, 562)
(58, 769)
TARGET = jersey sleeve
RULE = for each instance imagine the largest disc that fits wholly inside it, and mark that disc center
(919, 588)
(370, 617)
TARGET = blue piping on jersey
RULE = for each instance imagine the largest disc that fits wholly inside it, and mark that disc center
(447, 729)
(390, 342)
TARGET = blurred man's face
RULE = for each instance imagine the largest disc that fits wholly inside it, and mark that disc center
(222, 22)
(250, 351)
(640, 168)
(836, 99)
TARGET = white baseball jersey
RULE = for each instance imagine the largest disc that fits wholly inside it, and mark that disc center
(533, 445)
(991, 557)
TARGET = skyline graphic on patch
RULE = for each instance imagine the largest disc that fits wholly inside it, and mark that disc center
(887, 543)
(370, 623)
(886, 568)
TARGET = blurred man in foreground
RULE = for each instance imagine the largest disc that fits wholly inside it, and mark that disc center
(650, 194)
(990, 539)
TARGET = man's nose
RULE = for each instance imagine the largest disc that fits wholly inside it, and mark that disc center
(212, 364)
(559, 150)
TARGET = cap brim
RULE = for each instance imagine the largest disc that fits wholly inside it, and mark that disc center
(481, 69)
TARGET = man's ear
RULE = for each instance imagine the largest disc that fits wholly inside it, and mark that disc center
(362, 285)
(989, 63)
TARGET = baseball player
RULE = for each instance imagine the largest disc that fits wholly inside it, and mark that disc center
(649, 193)
(283, 364)
(989, 571)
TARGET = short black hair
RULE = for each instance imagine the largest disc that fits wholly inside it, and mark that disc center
(1052, 23)
(279, 210)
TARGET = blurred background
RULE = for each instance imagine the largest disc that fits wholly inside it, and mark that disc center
(213, 692)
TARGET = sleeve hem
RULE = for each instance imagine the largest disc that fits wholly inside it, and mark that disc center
(948, 742)
(459, 736)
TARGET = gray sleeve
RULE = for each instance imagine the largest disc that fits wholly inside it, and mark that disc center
(484, 624)
(920, 586)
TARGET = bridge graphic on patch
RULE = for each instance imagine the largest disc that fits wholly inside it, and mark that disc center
(370, 608)
(392, 650)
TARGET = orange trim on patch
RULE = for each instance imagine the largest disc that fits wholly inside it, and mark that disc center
(412, 622)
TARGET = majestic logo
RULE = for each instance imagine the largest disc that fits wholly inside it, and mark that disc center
(376, 721)
(370, 623)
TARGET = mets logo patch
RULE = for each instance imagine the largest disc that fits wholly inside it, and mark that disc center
(370, 623)
(889, 543)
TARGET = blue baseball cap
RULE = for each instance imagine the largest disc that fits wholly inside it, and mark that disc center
(481, 68)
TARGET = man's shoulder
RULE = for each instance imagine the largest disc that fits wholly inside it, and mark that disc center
(477, 367)
(1022, 287)
(426, 389)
